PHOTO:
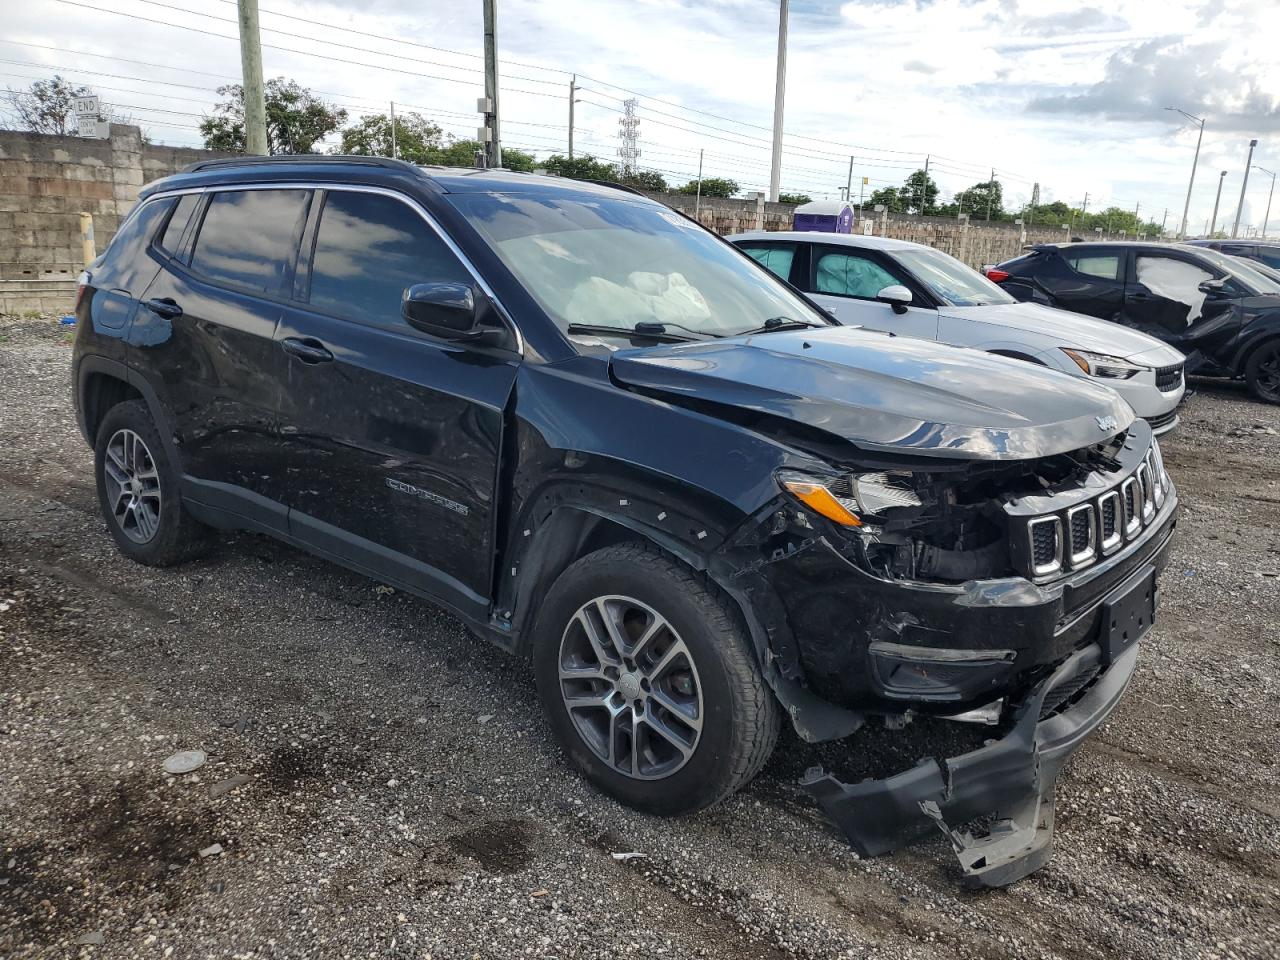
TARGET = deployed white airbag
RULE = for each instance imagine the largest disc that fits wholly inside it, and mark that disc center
(1175, 280)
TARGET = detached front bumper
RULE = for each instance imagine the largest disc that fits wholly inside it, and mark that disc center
(1010, 780)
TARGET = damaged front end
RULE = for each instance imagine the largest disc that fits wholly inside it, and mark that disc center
(1010, 594)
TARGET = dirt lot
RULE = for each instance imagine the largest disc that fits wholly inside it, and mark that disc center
(398, 795)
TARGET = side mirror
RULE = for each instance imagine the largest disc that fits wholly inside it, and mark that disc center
(445, 310)
(1211, 286)
(897, 296)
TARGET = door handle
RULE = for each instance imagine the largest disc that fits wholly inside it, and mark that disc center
(306, 349)
(1139, 297)
(164, 307)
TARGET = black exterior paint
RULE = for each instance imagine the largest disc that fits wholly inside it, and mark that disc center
(473, 475)
(1220, 342)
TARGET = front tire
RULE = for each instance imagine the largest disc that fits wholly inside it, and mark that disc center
(138, 490)
(1262, 372)
(650, 683)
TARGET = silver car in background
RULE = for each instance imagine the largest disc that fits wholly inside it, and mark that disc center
(916, 291)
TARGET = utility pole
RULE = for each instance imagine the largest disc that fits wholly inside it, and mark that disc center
(1163, 221)
(1035, 200)
(493, 146)
(1213, 221)
(1137, 224)
(779, 101)
(1267, 218)
(924, 187)
(573, 98)
(395, 147)
(1186, 207)
(255, 101)
(991, 190)
(697, 199)
(848, 188)
(1235, 227)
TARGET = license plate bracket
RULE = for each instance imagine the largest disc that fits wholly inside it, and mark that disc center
(1128, 613)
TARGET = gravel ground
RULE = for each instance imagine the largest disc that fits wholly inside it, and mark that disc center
(379, 784)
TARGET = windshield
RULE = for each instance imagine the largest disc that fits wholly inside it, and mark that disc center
(949, 279)
(618, 262)
(1242, 270)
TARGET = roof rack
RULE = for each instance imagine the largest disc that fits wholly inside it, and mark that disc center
(299, 158)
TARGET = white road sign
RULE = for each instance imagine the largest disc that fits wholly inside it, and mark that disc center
(86, 106)
(93, 128)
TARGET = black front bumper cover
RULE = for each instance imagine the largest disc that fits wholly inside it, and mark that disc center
(1011, 779)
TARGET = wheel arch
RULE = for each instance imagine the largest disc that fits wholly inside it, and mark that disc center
(102, 383)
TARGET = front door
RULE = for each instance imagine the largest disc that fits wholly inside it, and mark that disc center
(393, 436)
(1163, 298)
(847, 280)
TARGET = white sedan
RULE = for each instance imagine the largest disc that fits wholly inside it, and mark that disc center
(916, 291)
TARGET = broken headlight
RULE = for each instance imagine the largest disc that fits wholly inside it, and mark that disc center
(848, 498)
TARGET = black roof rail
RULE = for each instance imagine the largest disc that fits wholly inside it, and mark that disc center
(611, 183)
(299, 158)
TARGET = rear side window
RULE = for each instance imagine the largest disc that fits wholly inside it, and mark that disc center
(849, 275)
(1270, 257)
(1103, 266)
(369, 248)
(125, 264)
(776, 258)
(171, 236)
(249, 237)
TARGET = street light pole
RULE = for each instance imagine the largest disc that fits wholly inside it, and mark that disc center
(1266, 219)
(1248, 164)
(1182, 231)
(1213, 221)
(779, 101)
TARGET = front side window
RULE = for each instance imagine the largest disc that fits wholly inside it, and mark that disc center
(369, 248)
(850, 274)
(249, 237)
(776, 258)
(1245, 278)
(951, 281)
(615, 262)
(1102, 266)
(1174, 280)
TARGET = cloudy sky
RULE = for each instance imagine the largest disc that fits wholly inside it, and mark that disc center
(1059, 92)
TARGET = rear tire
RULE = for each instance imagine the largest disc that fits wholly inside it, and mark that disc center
(657, 664)
(1262, 371)
(138, 490)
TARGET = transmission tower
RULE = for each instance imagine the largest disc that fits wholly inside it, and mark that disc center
(629, 134)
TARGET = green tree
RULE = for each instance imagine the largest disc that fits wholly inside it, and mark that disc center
(45, 107)
(1049, 214)
(711, 187)
(796, 198)
(982, 201)
(919, 194)
(889, 196)
(296, 119)
(416, 137)
(645, 180)
(582, 167)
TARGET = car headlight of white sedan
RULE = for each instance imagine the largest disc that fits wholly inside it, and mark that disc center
(1102, 366)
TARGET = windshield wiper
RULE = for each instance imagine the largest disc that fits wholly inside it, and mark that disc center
(650, 329)
(779, 323)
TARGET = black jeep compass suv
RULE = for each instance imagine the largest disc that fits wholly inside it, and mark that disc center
(616, 446)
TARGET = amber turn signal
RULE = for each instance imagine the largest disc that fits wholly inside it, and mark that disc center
(821, 500)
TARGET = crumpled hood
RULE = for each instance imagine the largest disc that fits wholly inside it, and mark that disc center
(887, 393)
(1073, 330)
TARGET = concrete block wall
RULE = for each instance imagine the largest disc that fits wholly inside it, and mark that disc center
(46, 182)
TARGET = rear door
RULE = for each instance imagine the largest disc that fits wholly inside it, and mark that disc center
(393, 437)
(846, 280)
(1093, 282)
(208, 344)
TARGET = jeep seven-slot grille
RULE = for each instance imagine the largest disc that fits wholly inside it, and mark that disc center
(1169, 379)
(1083, 533)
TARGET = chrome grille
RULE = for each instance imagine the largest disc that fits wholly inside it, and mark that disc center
(1169, 379)
(1079, 535)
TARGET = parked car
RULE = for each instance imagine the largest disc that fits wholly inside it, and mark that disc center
(1218, 310)
(615, 446)
(916, 291)
(1259, 251)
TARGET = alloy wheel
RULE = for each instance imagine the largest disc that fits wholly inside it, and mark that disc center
(631, 687)
(1268, 375)
(132, 485)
